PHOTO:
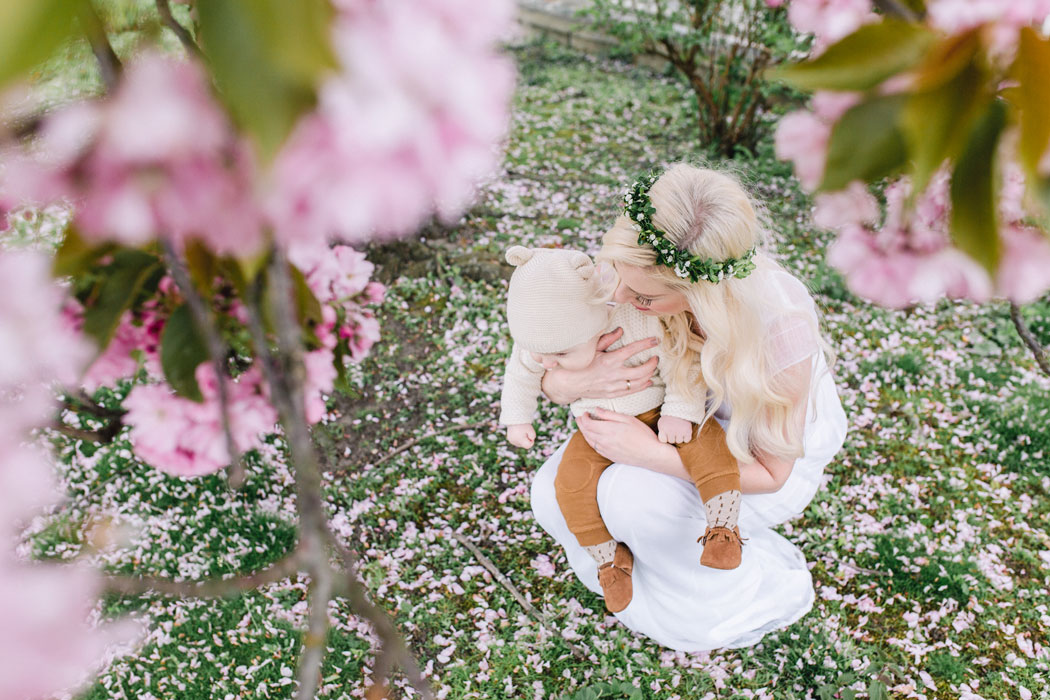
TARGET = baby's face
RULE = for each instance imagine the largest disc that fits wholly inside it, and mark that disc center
(576, 357)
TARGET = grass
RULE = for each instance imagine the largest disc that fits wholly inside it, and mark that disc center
(929, 544)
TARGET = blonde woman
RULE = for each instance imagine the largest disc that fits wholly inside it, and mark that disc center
(687, 251)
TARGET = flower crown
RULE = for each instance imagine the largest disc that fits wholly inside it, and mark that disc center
(639, 209)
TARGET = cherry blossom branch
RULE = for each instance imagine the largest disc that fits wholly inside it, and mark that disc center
(95, 31)
(1026, 335)
(512, 589)
(216, 350)
(169, 21)
(286, 391)
(395, 652)
(287, 566)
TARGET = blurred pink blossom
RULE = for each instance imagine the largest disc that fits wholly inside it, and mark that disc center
(543, 566)
(407, 127)
(1005, 18)
(911, 258)
(156, 158)
(829, 20)
(802, 138)
(47, 642)
(39, 346)
(853, 205)
(320, 379)
(1024, 270)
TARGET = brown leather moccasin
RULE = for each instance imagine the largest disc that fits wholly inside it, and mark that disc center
(721, 548)
(615, 579)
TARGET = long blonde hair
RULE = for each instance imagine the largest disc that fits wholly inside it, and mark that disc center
(709, 214)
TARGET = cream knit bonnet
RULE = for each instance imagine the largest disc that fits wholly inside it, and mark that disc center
(555, 300)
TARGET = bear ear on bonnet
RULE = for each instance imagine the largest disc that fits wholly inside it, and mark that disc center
(518, 255)
(582, 263)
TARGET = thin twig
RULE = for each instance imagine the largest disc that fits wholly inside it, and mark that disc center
(102, 436)
(216, 351)
(1026, 335)
(505, 582)
(95, 30)
(289, 565)
(181, 32)
(415, 441)
(395, 652)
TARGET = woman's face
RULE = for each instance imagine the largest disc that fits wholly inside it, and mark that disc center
(647, 295)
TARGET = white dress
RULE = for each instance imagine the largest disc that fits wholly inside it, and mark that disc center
(677, 602)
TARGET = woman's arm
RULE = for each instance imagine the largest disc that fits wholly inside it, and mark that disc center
(606, 377)
(765, 475)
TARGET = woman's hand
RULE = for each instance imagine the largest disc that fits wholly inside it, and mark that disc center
(622, 438)
(606, 377)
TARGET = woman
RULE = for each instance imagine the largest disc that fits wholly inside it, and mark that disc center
(687, 253)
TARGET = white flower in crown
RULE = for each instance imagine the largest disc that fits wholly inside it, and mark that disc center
(636, 227)
(729, 269)
(720, 275)
(681, 271)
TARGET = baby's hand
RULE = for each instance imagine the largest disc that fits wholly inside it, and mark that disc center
(522, 435)
(674, 430)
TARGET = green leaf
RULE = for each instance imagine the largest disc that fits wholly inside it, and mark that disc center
(121, 282)
(268, 57)
(30, 31)
(877, 690)
(974, 222)
(76, 255)
(863, 59)
(937, 121)
(307, 305)
(182, 349)
(1032, 95)
(866, 143)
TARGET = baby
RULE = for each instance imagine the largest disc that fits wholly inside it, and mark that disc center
(557, 309)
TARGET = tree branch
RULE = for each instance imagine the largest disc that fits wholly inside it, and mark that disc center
(169, 21)
(503, 581)
(135, 585)
(1026, 335)
(95, 31)
(216, 351)
(395, 652)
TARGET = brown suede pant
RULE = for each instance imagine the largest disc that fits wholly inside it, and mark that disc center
(706, 457)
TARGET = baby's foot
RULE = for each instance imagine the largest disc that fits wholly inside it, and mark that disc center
(615, 579)
(722, 547)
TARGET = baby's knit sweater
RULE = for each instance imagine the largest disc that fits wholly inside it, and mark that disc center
(521, 381)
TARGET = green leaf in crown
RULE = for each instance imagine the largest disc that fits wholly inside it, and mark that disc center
(639, 209)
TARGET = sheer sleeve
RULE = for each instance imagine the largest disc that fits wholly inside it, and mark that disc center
(794, 333)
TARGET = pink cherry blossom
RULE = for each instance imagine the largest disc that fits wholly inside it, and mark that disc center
(40, 348)
(829, 20)
(854, 205)
(1024, 270)
(320, 379)
(406, 127)
(47, 642)
(802, 138)
(185, 438)
(156, 158)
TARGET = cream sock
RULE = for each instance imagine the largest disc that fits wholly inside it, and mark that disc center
(602, 553)
(723, 510)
